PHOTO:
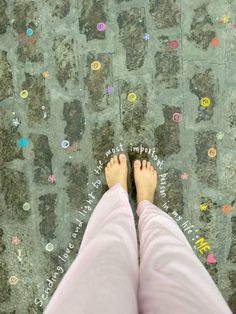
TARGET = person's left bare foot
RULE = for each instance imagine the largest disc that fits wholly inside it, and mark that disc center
(116, 171)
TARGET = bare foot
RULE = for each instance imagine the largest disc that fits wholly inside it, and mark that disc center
(145, 180)
(116, 171)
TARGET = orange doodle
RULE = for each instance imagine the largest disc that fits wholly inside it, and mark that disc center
(45, 74)
(215, 41)
(212, 152)
(226, 209)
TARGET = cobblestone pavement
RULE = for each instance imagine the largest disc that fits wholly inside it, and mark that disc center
(156, 81)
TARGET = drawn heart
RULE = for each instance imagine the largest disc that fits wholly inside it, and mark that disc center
(211, 259)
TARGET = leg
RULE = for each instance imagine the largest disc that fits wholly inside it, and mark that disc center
(104, 276)
(172, 278)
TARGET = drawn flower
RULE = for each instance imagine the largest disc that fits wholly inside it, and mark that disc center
(15, 240)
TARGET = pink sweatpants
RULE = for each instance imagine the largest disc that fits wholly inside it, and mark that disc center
(105, 277)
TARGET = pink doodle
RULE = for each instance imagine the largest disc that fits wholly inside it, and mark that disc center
(184, 176)
(15, 240)
(173, 44)
(211, 259)
(101, 27)
(177, 117)
(51, 178)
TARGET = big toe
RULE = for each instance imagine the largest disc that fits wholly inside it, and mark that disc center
(137, 164)
(122, 158)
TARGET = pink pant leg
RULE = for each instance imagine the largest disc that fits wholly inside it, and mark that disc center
(172, 278)
(103, 279)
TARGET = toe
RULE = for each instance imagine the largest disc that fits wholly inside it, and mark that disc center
(153, 170)
(137, 164)
(108, 164)
(122, 158)
(111, 161)
(115, 159)
(144, 163)
(148, 165)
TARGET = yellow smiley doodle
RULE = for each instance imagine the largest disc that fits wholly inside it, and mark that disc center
(132, 97)
(24, 93)
(95, 65)
(205, 102)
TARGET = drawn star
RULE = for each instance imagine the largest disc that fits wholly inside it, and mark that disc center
(146, 36)
(184, 176)
(15, 122)
(15, 240)
(220, 135)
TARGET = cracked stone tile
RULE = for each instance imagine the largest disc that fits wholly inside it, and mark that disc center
(47, 206)
(42, 158)
(66, 62)
(6, 78)
(167, 134)
(165, 13)
(201, 31)
(4, 21)
(205, 169)
(92, 13)
(96, 82)
(132, 28)
(77, 176)
(202, 85)
(75, 123)
(14, 187)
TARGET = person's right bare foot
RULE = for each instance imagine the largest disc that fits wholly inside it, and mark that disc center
(145, 180)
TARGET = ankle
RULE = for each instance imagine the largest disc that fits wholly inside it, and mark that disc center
(144, 197)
